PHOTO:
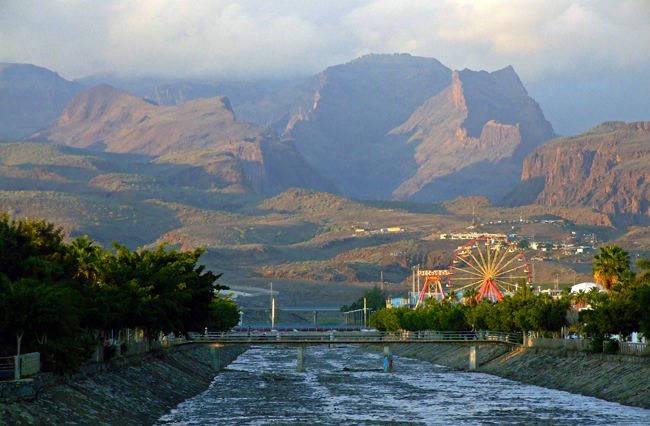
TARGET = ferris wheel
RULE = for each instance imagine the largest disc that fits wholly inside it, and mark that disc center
(492, 266)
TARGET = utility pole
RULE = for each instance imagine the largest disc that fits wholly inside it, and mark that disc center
(272, 307)
(381, 279)
(365, 313)
(411, 296)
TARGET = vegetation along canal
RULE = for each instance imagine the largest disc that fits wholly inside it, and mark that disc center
(346, 385)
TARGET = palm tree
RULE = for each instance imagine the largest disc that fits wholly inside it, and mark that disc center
(581, 299)
(470, 297)
(610, 264)
(451, 297)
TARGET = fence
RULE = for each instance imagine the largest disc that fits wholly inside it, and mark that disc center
(30, 364)
(6, 368)
(569, 344)
(625, 348)
(636, 349)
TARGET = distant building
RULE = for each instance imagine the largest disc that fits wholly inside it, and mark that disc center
(586, 287)
(470, 236)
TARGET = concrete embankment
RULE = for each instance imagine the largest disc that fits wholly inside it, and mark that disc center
(131, 390)
(617, 378)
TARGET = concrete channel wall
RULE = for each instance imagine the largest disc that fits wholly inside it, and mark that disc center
(552, 363)
(132, 390)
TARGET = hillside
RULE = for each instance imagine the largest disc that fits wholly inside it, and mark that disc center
(223, 153)
(301, 238)
(31, 98)
(606, 169)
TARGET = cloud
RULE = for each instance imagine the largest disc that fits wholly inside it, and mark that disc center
(253, 38)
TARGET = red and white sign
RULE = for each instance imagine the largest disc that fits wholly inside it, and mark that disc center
(433, 272)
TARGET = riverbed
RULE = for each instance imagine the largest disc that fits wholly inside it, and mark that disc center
(346, 385)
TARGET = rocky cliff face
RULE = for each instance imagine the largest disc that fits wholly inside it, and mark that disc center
(216, 149)
(606, 168)
(396, 126)
(31, 99)
(354, 107)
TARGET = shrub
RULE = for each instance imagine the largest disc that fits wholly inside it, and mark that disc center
(109, 352)
(595, 345)
(65, 355)
(611, 346)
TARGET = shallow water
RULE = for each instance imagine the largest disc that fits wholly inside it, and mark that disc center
(345, 386)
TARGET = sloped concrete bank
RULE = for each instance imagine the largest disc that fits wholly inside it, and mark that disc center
(617, 378)
(133, 390)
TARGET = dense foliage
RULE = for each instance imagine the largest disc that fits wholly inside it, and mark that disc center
(521, 312)
(624, 309)
(61, 299)
(375, 300)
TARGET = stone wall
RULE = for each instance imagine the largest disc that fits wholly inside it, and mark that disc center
(131, 390)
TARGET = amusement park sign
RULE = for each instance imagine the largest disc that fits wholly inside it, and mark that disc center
(433, 272)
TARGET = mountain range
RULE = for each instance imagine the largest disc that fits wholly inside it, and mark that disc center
(379, 127)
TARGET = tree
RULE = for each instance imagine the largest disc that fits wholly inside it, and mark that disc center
(224, 314)
(644, 276)
(523, 244)
(386, 319)
(375, 300)
(610, 264)
(642, 299)
(470, 297)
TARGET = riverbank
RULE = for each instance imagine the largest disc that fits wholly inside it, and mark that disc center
(133, 390)
(616, 378)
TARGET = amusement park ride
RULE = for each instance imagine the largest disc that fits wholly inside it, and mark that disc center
(492, 266)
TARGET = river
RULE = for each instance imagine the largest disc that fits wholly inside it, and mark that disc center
(345, 385)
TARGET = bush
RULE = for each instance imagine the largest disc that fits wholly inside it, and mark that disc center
(65, 355)
(109, 352)
(595, 345)
(611, 346)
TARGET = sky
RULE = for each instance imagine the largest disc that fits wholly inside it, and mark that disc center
(584, 61)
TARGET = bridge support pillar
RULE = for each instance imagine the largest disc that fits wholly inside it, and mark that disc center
(301, 352)
(473, 357)
(388, 359)
(215, 357)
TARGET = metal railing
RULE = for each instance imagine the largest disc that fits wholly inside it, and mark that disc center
(7, 365)
(356, 337)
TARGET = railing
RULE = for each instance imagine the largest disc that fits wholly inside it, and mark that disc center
(7, 368)
(356, 337)
(636, 349)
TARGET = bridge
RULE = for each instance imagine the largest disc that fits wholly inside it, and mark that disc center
(300, 339)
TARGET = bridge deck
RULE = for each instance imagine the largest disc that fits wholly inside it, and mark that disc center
(355, 337)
